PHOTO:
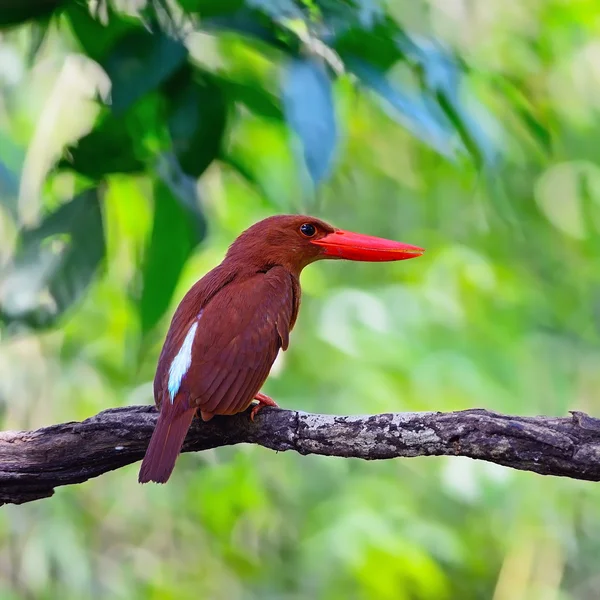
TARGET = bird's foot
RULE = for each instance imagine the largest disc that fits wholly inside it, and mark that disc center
(263, 400)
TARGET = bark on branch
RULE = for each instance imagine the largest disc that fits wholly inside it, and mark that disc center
(33, 463)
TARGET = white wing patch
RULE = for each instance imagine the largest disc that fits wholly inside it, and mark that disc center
(181, 363)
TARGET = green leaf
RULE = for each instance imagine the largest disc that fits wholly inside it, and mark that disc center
(251, 23)
(197, 120)
(55, 263)
(308, 104)
(376, 46)
(95, 38)
(108, 148)
(360, 15)
(254, 98)
(442, 75)
(178, 227)
(121, 143)
(139, 63)
(211, 8)
(418, 113)
(514, 94)
(13, 12)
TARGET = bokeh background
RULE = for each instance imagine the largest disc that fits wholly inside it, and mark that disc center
(138, 139)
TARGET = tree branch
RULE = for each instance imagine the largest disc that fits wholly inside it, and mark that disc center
(33, 463)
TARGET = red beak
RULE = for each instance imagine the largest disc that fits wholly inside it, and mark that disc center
(356, 246)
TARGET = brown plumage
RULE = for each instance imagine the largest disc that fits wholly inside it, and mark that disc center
(230, 326)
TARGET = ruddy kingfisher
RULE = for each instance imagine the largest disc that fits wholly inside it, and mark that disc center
(232, 323)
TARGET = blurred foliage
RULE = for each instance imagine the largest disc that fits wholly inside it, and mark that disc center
(137, 139)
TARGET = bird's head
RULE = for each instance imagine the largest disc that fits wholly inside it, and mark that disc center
(295, 241)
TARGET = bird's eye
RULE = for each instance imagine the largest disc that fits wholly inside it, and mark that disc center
(308, 230)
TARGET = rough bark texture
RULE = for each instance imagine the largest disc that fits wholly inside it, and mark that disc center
(33, 463)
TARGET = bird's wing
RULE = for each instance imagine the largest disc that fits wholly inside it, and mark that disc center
(235, 340)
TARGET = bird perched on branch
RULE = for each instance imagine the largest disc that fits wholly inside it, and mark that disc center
(230, 326)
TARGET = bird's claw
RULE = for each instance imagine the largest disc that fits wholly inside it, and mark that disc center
(263, 400)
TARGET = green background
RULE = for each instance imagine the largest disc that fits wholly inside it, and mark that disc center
(137, 141)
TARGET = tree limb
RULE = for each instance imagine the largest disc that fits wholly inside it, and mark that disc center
(33, 463)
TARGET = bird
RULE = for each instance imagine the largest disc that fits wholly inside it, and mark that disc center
(230, 326)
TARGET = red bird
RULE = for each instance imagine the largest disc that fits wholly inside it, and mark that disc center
(230, 326)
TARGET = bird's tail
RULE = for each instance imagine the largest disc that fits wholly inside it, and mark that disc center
(172, 426)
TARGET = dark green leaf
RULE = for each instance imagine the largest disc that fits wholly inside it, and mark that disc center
(13, 12)
(55, 263)
(256, 99)
(120, 143)
(251, 23)
(211, 8)
(108, 148)
(197, 119)
(418, 113)
(376, 46)
(139, 63)
(309, 110)
(184, 190)
(243, 88)
(95, 38)
(178, 227)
